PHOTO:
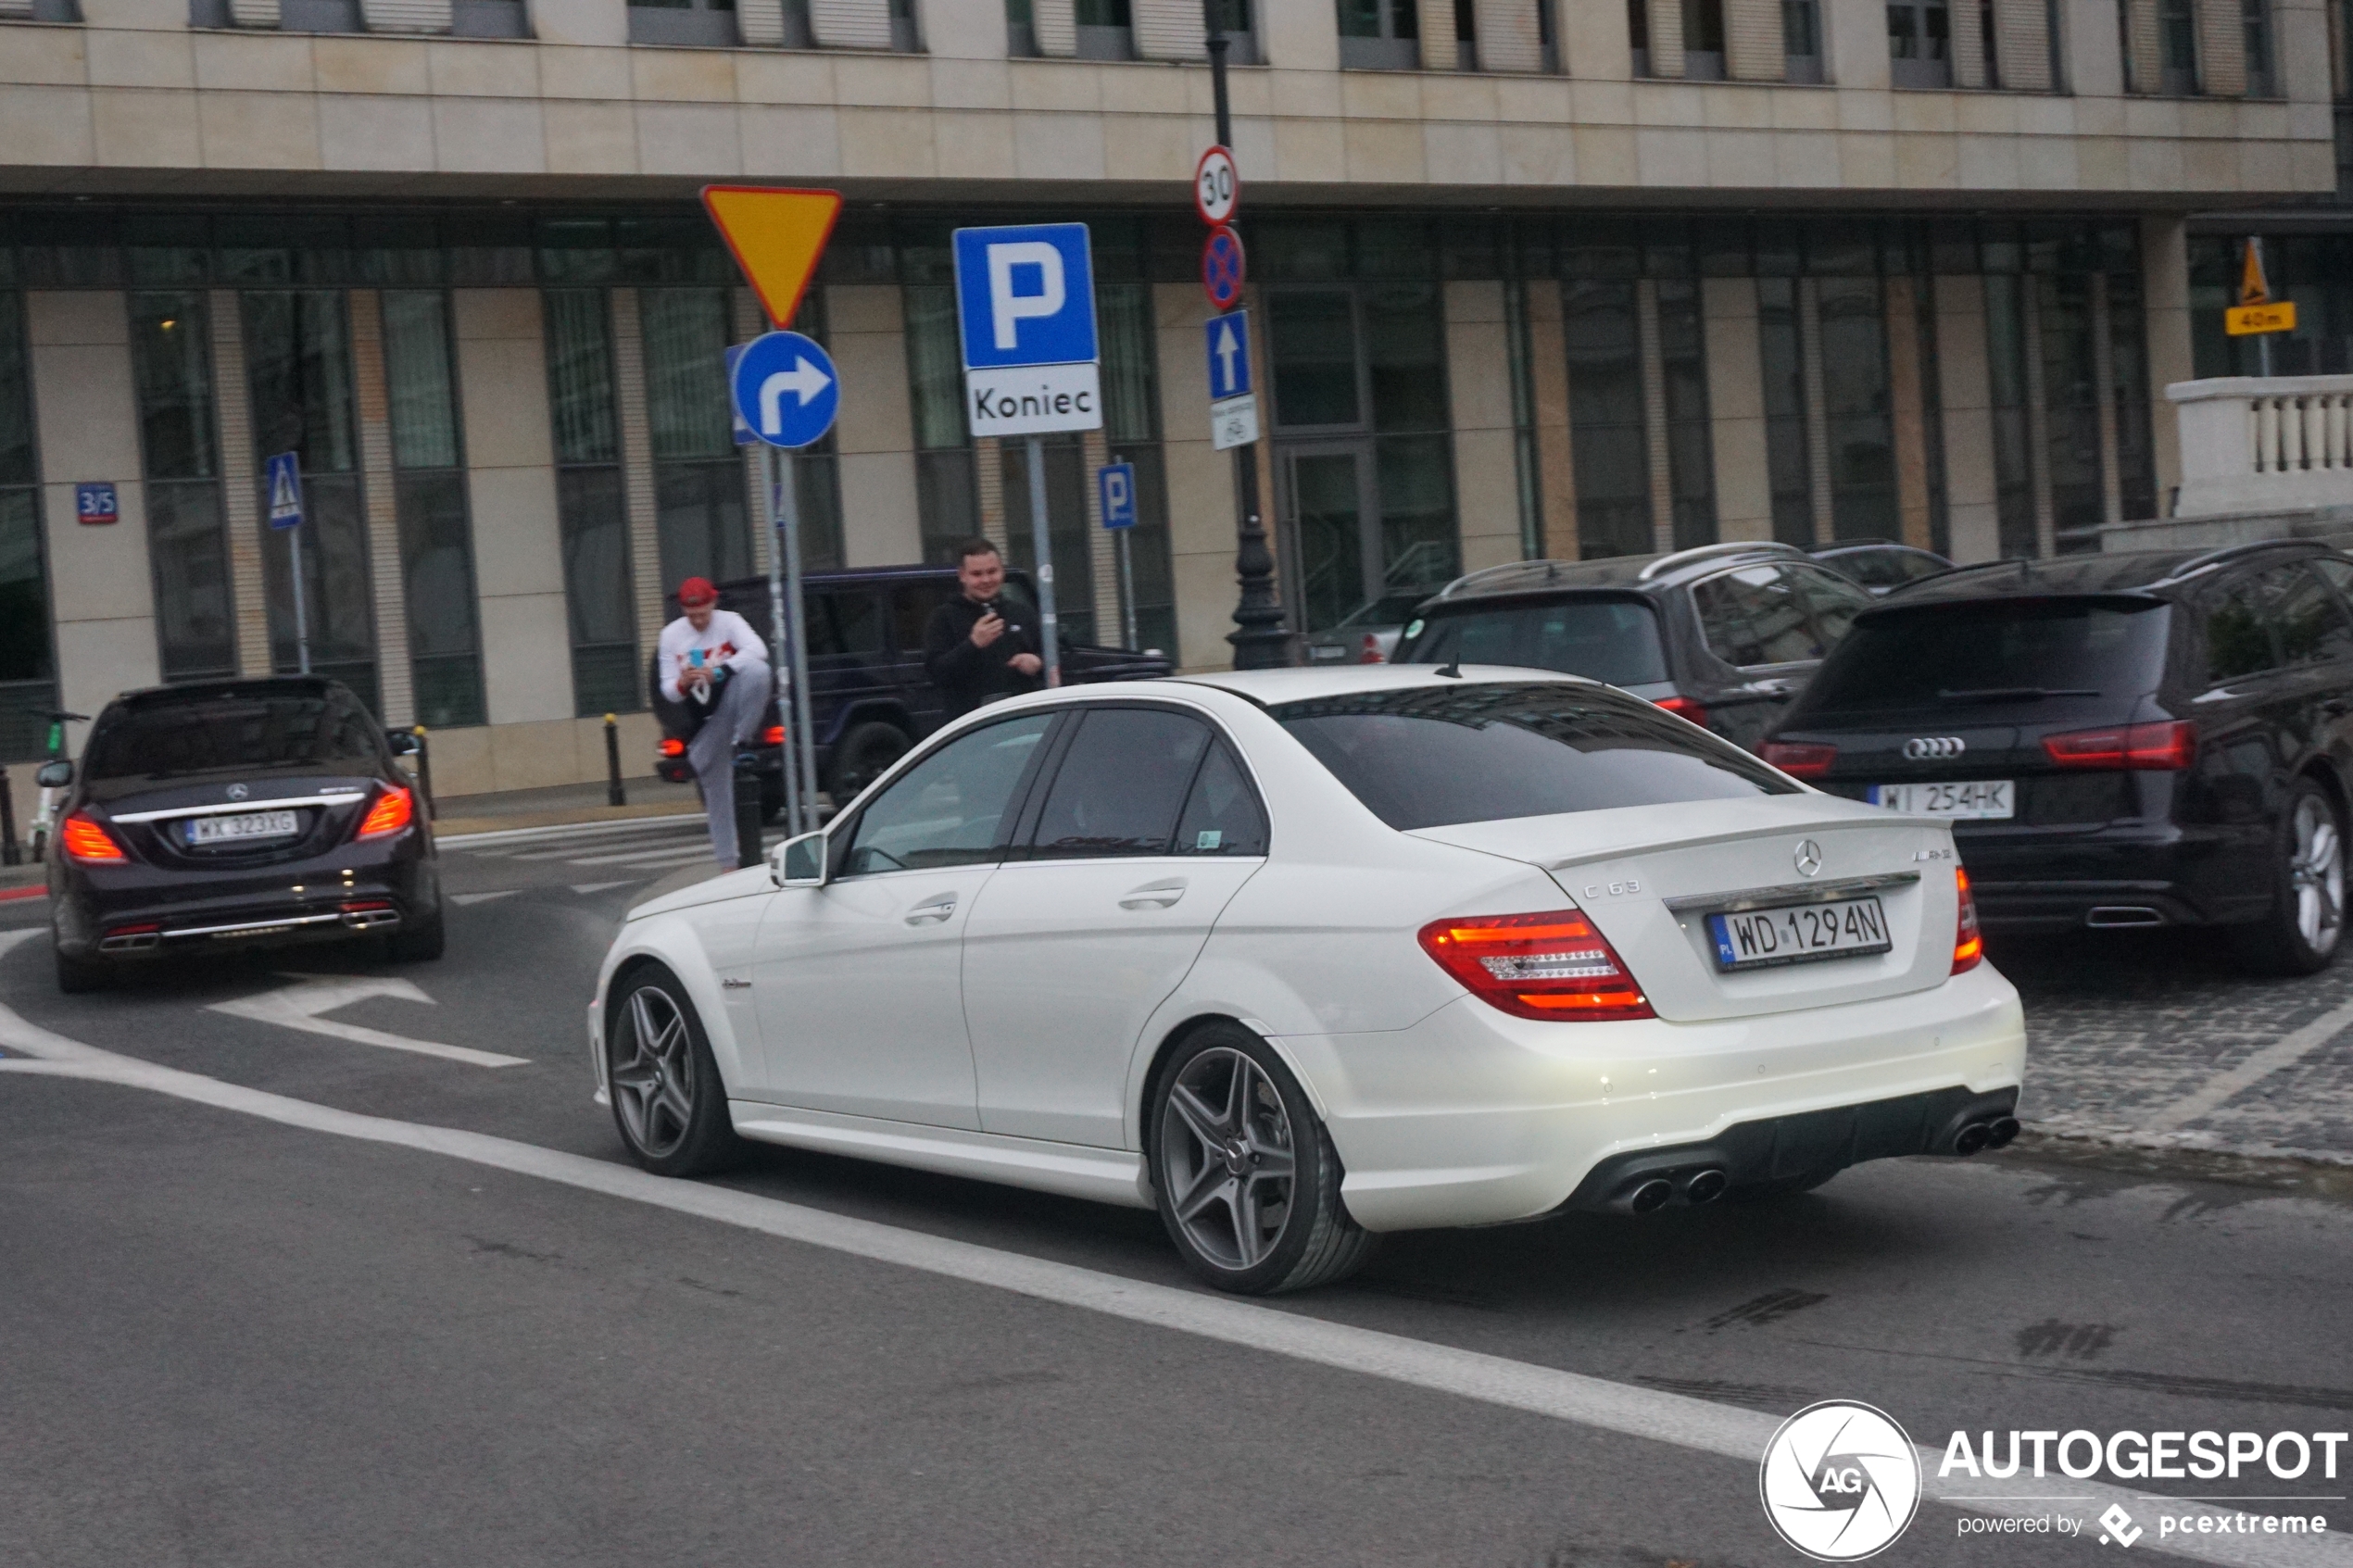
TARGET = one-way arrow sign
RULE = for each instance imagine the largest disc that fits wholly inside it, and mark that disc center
(1233, 408)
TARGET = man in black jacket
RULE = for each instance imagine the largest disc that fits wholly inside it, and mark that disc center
(981, 646)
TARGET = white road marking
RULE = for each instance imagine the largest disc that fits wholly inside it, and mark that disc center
(471, 899)
(1646, 1413)
(584, 888)
(678, 855)
(297, 1004)
(2286, 1051)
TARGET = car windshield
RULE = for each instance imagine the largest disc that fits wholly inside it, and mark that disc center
(232, 732)
(1955, 657)
(1481, 752)
(1614, 640)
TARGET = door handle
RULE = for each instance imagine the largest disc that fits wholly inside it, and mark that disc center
(1158, 895)
(938, 909)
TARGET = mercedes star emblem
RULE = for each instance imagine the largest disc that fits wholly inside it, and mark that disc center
(1809, 858)
(237, 792)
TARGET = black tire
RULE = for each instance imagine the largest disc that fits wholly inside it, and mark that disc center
(1225, 1087)
(862, 756)
(669, 1103)
(2305, 925)
(419, 941)
(79, 976)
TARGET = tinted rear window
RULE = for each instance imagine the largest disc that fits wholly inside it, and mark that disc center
(1488, 752)
(1955, 657)
(233, 731)
(1610, 640)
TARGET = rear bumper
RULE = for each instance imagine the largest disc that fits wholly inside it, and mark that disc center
(2130, 874)
(1474, 1117)
(134, 913)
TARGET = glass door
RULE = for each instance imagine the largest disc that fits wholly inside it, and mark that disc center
(1332, 518)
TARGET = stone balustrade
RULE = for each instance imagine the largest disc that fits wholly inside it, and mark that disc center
(2266, 443)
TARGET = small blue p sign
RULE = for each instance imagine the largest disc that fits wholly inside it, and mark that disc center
(1115, 485)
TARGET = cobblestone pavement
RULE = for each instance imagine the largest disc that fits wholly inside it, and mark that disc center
(2158, 1039)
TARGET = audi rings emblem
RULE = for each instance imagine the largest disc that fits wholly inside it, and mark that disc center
(1809, 856)
(1924, 749)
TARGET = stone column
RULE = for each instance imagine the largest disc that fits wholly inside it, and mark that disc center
(747, 321)
(101, 586)
(2222, 48)
(1595, 44)
(988, 485)
(1817, 420)
(1436, 22)
(519, 552)
(876, 432)
(1666, 18)
(1201, 482)
(1510, 37)
(1753, 44)
(240, 482)
(1908, 410)
(1478, 383)
(395, 679)
(2038, 418)
(1855, 43)
(1555, 458)
(637, 469)
(1736, 409)
(1965, 391)
(2165, 299)
(2094, 52)
(604, 22)
(2103, 380)
(1662, 473)
(1102, 553)
(2022, 45)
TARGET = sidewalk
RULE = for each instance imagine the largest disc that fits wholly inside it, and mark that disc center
(558, 806)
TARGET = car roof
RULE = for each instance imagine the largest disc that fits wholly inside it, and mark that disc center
(1637, 573)
(245, 686)
(1269, 688)
(2141, 573)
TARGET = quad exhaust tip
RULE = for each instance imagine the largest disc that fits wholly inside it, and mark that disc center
(2000, 1131)
(1650, 1196)
(2120, 917)
(1705, 1187)
(1972, 1138)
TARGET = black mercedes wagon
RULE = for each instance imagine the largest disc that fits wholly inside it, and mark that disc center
(235, 813)
(2149, 739)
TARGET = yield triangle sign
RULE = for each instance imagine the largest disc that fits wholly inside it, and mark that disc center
(776, 236)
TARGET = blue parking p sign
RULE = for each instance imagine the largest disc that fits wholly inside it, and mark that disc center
(1115, 487)
(1026, 295)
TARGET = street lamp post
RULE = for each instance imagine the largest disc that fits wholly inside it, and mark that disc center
(1260, 642)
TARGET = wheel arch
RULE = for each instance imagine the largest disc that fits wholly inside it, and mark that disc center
(671, 944)
(1152, 1063)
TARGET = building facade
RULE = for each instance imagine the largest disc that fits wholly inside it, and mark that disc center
(1532, 277)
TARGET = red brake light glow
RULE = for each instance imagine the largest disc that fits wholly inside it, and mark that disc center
(1800, 761)
(773, 736)
(1968, 946)
(1684, 708)
(672, 748)
(394, 809)
(84, 838)
(2168, 745)
(1552, 966)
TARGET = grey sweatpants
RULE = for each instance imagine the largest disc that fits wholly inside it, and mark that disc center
(741, 703)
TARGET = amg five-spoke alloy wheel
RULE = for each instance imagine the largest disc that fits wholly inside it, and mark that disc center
(2299, 934)
(667, 1097)
(1247, 1182)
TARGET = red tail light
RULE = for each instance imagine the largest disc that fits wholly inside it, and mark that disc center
(1684, 708)
(2169, 746)
(1369, 651)
(1968, 946)
(84, 838)
(1548, 966)
(773, 736)
(394, 809)
(674, 748)
(1800, 761)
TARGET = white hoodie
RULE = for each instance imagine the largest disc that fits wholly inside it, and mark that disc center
(728, 640)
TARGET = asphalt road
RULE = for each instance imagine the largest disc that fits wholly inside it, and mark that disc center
(238, 1327)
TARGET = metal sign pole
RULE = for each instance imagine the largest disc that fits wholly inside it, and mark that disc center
(800, 738)
(302, 621)
(1128, 588)
(781, 670)
(1048, 639)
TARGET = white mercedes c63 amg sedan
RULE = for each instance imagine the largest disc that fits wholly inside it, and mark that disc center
(1298, 956)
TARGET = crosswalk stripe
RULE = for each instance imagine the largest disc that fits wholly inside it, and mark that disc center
(645, 857)
(632, 841)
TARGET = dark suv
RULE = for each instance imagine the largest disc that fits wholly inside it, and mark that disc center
(869, 696)
(2126, 740)
(1724, 634)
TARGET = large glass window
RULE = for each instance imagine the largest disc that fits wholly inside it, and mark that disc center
(429, 486)
(2177, 45)
(2013, 447)
(1781, 351)
(947, 494)
(699, 480)
(1856, 408)
(298, 365)
(187, 534)
(1920, 42)
(599, 590)
(2072, 394)
(1690, 454)
(28, 675)
(1380, 34)
(1608, 443)
(1131, 425)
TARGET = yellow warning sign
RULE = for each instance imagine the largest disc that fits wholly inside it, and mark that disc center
(777, 235)
(2253, 287)
(2245, 320)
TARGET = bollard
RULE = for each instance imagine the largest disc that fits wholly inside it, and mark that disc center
(748, 822)
(424, 773)
(9, 854)
(614, 794)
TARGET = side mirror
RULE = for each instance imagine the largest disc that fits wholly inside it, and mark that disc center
(799, 863)
(54, 775)
(403, 742)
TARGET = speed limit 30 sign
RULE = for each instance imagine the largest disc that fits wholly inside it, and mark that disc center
(1217, 186)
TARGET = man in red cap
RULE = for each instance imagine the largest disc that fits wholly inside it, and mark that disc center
(715, 664)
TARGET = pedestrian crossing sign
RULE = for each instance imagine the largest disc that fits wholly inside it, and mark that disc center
(285, 490)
